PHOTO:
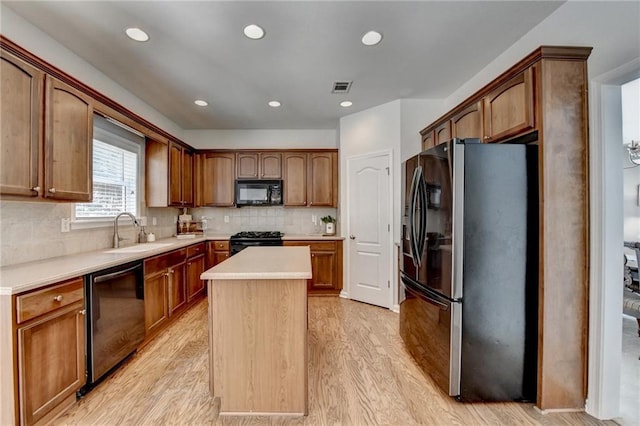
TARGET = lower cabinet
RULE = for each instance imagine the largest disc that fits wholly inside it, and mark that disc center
(165, 289)
(195, 267)
(326, 266)
(50, 326)
(217, 251)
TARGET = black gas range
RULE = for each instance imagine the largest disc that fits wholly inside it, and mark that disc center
(242, 240)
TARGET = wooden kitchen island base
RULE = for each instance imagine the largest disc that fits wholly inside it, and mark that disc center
(258, 331)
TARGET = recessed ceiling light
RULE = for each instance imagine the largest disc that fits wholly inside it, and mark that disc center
(254, 32)
(200, 102)
(137, 34)
(346, 104)
(371, 38)
(274, 104)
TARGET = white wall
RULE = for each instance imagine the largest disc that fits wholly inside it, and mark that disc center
(610, 27)
(415, 115)
(39, 43)
(263, 138)
(630, 94)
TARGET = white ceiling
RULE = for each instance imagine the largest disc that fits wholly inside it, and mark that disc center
(198, 51)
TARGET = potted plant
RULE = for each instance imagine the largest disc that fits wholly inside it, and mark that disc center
(329, 224)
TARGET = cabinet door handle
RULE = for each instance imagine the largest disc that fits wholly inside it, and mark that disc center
(52, 190)
(36, 189)
(58, 298)
(82, 312)
(486, 137)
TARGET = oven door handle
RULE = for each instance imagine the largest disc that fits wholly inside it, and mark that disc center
(107, 277)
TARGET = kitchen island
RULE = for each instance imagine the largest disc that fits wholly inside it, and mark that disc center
(258, 331)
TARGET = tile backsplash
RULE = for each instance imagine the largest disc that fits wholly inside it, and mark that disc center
(289, 220)
(31, 230)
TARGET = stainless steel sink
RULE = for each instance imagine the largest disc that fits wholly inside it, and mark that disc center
(138, 248)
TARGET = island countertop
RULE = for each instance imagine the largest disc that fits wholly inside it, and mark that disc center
(264, 263)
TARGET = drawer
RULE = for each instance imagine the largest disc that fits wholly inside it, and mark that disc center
(32, 305)
(314, 245)
(164, 261)
(195, 250)
(220, 245)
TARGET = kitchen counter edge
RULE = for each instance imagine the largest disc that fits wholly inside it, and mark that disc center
(23, 277)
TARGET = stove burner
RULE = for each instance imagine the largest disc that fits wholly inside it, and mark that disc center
(255, 235)
(242, 240)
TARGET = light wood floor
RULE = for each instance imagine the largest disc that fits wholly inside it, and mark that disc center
(359, 374)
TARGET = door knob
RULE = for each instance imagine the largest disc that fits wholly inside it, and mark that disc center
(352, 237)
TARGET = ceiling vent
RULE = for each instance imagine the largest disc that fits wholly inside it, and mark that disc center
(341, 87)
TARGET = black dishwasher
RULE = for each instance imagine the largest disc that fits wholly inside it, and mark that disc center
(115, 318)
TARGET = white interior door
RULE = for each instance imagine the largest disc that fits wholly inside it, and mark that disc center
(369, 233)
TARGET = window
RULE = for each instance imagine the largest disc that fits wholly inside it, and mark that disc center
(116, 168)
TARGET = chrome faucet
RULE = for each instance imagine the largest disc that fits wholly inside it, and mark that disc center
(116, 237)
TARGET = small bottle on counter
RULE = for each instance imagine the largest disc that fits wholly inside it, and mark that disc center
(151, 237)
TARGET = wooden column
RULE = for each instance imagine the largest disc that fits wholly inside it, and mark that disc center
(564, 223)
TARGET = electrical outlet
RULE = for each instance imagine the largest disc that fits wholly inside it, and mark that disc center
(142, 221)
(65, 225)
(226, 219)
(314, 219)
(154, 221)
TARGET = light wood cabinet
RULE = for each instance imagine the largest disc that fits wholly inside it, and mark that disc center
(468, 122)
(216, 187)
(295, 178)
(428, 140)
(156, 301)
(322, 179)
(21, 112)
(169, 174)
(50, 350)
(217, 251)
(326, 266)
(442, 133)
(56, 164)
(509, 109)
(310, 179)
(180, 176)
(68, 158)
(258, 165)
(165, 289)
(196, 256)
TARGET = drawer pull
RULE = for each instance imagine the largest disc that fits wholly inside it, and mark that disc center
(58, 298)
(52, 190)
(36, 189)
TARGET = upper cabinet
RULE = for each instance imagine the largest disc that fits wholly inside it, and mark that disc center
(468, 122)
(295, 178)
(508, 109)
(504, 112)
(169, 174)
(56, 165)
(322, 179)
(180, 176)
(310, 179)
(442, 133)
(216, 183)
(21, 103)
(258, 165)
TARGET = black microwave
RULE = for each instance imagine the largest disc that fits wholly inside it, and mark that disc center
(258, 193)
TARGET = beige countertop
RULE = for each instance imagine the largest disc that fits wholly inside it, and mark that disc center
(264, 263)
(32, 275)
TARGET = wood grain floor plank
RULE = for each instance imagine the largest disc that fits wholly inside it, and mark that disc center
(359, 374)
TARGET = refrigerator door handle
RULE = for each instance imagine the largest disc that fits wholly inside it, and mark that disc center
(422, 234)
(412, 214)
(426, 293)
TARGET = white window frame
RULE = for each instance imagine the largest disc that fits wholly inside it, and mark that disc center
(125, 144)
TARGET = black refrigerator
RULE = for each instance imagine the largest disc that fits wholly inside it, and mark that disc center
(469, 268)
